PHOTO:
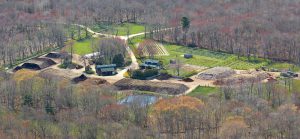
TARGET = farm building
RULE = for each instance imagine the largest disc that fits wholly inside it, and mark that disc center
(80, 78)
(150, 64)
(38, 64)
(188, 56)
(216, 73)
(288, 74)
(172, 61)
(92, 55)
(106, 70)
(17, 68)
(53, 55)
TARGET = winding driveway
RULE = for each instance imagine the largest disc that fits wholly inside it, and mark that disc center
(134, 64)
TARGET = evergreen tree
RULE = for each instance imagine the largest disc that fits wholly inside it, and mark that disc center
(185, 24)
(119, 60)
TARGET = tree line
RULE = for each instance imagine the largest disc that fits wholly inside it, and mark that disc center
(44, 106)
(268, 29)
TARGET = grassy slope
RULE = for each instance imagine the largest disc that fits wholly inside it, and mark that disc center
(203, 90)
(121, 29)
(207, 58)
(202, 57)
(83, 47)
(284, 66)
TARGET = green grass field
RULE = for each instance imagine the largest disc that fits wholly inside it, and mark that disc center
(119, 29)
(82, 44)
(203, 91)
(284, 66)
(82, 47)
(206, 58)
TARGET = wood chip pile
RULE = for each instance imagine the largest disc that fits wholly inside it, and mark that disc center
(250, 77)
(159, 87)
(216, 73)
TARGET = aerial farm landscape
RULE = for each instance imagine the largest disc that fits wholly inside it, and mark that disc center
(136, 69)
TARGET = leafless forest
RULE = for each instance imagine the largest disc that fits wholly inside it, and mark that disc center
(35, 106)
(268, 29)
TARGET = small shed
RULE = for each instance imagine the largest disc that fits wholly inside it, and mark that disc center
(80, 78)
(288, 74)
(172, 61)
(92, 55)
(106, 70)
(38, 64)
(53, 55)
(188, 56)
(150, 64)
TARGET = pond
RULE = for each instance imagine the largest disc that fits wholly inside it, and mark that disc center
(141, 100)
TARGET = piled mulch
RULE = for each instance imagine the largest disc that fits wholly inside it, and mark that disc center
(38, 63)
(53, 55)
(79, 79)
(164, 77)
(216, 73)
(252, 77)
(159, 87)
(187, 80)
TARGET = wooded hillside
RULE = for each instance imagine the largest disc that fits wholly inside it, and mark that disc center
(268, 28)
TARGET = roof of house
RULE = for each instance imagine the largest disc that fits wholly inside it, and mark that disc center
(107, 69)
(54, 55)
(151, 61)
(106, 66)
(148, 65)
(41, 62)
(92, 55)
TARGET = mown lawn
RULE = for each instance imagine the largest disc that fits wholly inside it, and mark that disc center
(133, 41)
(203, 91)
(206, 58)
(82, 47)
(284, 66)
(82, 44)
(119, 29)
